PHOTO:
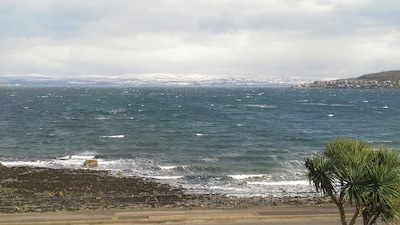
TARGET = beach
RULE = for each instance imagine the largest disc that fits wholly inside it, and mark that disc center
(29, 193)
(28, 189)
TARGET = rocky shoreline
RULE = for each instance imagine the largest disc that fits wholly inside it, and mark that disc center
(27, 189)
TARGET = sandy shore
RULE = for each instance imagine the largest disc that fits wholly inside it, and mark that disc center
(26, 189)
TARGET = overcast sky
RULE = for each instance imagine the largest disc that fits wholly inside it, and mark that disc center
(312, 39)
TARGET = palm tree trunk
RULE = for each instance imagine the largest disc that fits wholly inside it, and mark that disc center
(365, 219)
(342, 214)
(372, 219)
(339, 204)
(356, 213)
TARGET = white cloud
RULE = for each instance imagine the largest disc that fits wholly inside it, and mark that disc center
(255, 38)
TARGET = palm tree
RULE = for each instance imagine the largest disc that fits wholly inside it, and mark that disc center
(382, 193)
(351, 171)
(320, 173)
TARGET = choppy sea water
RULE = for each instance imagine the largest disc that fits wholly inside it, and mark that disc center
(236, 141)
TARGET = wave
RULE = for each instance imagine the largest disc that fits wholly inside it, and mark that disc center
(115, 111)
(280, 183)
(332, 105)
(248, 176)
(66, 161)
(102, 118)
(262, 188)
(209, 159)
(165, 177)
(261, 106)
(167, 167)
(81, 156)
(194, 178)
(113, 136)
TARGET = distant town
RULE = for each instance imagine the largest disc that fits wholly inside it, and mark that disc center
(387, 79)
(351, 83)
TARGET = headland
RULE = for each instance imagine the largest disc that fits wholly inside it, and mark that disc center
(387, 79)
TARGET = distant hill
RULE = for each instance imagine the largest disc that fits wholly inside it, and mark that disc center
(393, 75)
(387, 79)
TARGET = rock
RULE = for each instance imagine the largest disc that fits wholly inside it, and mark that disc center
(91, 162)
(242, 183)
(119, 173)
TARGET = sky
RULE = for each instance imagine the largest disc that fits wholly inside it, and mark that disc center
(255, 39)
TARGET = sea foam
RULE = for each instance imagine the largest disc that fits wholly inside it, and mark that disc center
(248, 176)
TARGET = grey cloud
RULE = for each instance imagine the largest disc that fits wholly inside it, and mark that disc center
(249, 38)
(148, 16)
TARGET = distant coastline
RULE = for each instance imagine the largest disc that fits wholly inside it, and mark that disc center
(386, 79)
(8, 85)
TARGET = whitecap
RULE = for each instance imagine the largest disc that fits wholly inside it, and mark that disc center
(224, 188)
(35, 163)
(305, 100)
(262, 106)
(183, 167)
(102, 118)
(115, 111)
(81, 156)
(246, 176)
(67, 161)
(113, 136)
(165, 177)
(167, 167)
(209, 159)
(280, 183)
(232, 154)
(326, 104)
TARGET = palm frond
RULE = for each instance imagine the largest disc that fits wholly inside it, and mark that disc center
(320, 174)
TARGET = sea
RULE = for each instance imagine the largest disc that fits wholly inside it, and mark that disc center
(241, 141)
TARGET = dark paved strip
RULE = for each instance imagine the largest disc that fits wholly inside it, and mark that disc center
(287, 213)
(133, 217)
